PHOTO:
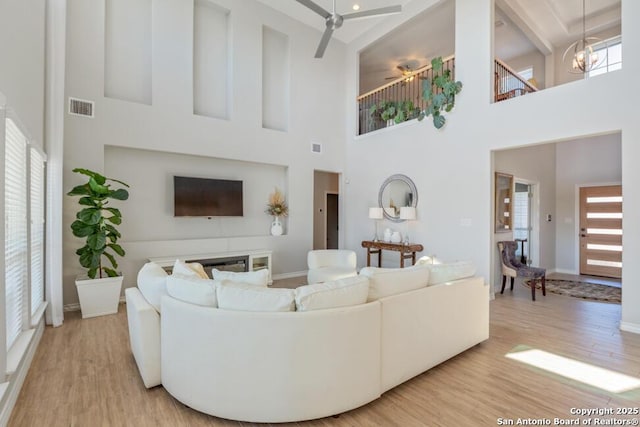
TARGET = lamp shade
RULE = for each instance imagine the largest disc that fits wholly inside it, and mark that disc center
(375, 213)
(408, 212)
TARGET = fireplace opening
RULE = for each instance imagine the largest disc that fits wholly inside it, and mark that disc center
(237, 264)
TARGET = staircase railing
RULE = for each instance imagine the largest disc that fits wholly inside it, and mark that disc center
(405, 88)
(508, 84)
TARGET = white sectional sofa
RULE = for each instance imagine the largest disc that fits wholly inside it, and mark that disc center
(260, 366)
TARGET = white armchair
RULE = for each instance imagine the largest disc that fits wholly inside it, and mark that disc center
(330, 264)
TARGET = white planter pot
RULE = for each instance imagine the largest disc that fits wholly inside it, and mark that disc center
(99, 296)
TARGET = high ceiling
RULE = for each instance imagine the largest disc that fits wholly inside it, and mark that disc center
(349, 30)
(522, 26)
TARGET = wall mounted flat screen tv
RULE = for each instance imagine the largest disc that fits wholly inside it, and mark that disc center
(206, 197)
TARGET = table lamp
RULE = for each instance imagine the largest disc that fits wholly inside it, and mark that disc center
(375, 214)
(407, 213)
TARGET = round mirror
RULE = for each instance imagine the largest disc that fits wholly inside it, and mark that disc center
(397, 191)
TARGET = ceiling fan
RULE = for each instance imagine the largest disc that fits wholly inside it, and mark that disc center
(334, 20)
(406, 72)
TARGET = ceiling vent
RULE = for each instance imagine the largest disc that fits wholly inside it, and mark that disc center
(80, 107)
(316, 147)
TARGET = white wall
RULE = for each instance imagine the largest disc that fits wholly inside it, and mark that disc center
(588, 161)
(169, 125)
(452, 167)
(22, 62)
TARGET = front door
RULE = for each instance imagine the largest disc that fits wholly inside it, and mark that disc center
(601, 231)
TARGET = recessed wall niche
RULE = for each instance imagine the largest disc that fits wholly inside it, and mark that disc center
(127, 50)
(148, 215)
(275, 79)
(211, 60)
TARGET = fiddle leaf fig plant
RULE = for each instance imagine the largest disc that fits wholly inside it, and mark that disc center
(96, 222)
(439, 93)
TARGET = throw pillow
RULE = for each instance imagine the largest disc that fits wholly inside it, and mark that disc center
(384, 282)
(192, 289)
(337, 293)
(189, 269)
(244, 297)
(152, 282)
(256, 278)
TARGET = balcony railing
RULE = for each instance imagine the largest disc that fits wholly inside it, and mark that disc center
(405, 88)
(508, 84)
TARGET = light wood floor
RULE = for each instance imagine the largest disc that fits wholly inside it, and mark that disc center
(83, 374)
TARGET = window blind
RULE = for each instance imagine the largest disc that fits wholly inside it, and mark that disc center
(37, 184)
(16, 239)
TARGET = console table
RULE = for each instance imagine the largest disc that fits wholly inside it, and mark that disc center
(406, 251)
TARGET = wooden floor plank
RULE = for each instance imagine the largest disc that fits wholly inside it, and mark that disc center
(83, 374)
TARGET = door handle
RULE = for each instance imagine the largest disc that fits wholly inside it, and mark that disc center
(583, 235)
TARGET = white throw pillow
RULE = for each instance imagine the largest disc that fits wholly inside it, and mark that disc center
(440, 273)
(152, 282)
(390, 281)
(244, 297)
(256, 278)
(337, 293)
(192, 289)
(189, 269)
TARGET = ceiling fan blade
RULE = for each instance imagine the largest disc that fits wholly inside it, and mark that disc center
(324, 42)
(373, 12)
(316, 8)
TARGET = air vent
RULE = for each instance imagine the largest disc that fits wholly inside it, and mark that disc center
(316, 147)
(80, 107)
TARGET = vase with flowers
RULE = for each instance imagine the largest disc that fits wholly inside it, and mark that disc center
(277, 207)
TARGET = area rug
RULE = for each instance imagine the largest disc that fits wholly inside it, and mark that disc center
(584, 290)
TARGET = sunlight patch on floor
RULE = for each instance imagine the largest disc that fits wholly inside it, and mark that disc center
(585, 373)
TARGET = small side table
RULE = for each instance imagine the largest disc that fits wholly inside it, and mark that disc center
(407, 251)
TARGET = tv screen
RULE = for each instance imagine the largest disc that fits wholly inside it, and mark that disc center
(206, 197)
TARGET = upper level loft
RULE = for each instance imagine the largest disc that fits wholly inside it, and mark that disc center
(537, 46)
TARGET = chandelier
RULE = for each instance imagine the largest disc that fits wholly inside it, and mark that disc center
(584, 57)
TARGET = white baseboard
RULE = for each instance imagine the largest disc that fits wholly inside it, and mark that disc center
(630, 327)
(289, 275)
(75, 306)
(17, 378)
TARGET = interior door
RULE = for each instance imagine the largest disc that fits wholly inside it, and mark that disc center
(601, 231)
(332, 221)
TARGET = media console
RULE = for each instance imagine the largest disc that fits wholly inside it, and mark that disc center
(228, 261)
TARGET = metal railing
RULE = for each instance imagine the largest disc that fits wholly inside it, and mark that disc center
(508, 84)
(405, 88)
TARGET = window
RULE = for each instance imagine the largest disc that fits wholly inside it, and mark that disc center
(24, 213)
(611, 51)
(526, 74)
(37, 189)
(16, 241)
